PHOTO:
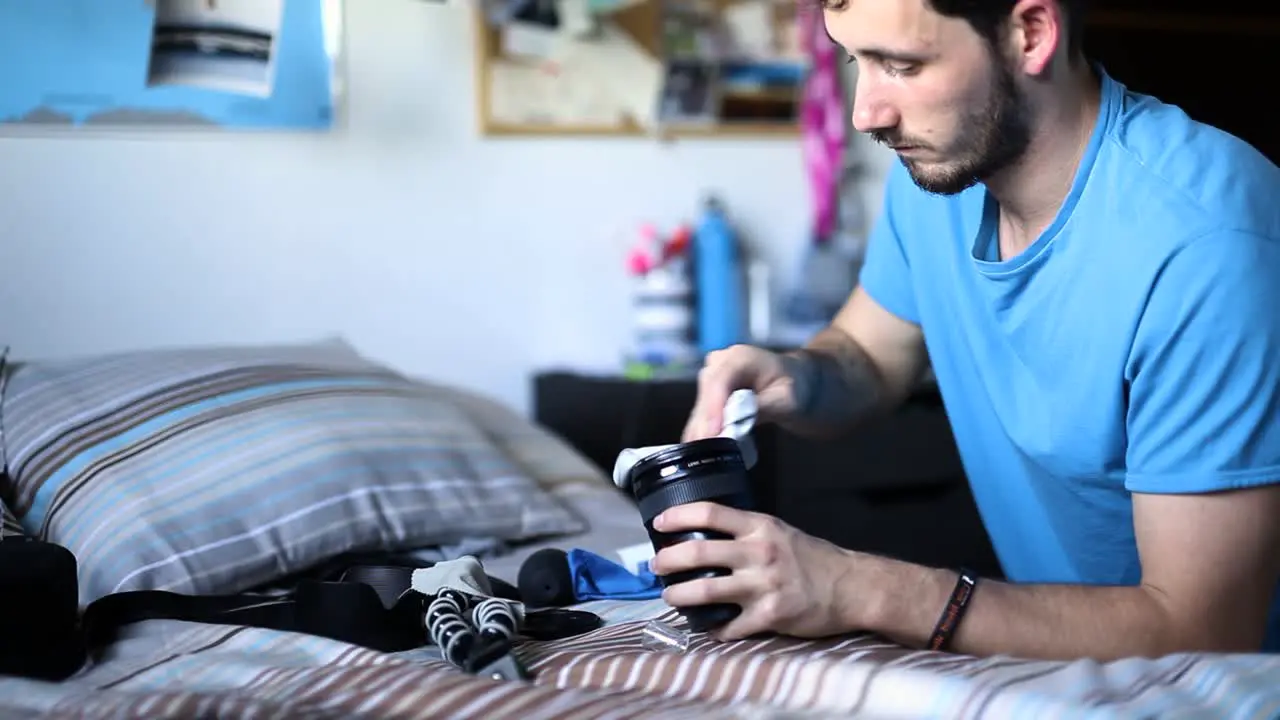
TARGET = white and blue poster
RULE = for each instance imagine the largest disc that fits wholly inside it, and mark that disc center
(232, 64)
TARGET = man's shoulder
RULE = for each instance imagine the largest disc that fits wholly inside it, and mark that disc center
(1187, 170)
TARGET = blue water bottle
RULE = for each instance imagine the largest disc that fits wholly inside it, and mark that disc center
(717, 261)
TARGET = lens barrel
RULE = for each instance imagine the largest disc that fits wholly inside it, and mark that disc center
(710, 469)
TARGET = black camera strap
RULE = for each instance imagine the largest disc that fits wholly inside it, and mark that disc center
(373, 606)
(361, 600)
(354, 609)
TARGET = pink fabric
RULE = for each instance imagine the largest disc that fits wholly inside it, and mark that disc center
(822, 117)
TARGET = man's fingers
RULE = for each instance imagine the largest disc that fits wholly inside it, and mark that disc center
(741, 627)
(704, 422)
(732, 589)
(713, 393)
(727, 589)
(693, 427)
(723, 372)
(706, 515)
(699, 554)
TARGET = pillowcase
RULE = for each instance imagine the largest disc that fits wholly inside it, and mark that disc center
(216, 470)
(559, 467)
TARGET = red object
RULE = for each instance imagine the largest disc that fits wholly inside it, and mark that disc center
(678, 244)
(653, 250)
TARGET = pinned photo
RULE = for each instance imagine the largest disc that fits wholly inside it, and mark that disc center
(689, 92)
(225, 45)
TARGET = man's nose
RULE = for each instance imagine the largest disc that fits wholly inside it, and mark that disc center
(872, 111)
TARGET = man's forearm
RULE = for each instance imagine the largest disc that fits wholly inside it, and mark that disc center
(903, 602)
(836, 385)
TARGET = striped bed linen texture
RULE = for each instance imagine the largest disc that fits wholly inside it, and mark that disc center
(169, 669)
(216, 470)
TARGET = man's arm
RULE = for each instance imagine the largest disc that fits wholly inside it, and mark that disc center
(1210, 566)
(1202, 464)
(873, 352)
(865, 362)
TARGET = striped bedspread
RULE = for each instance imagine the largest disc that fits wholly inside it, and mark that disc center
(164, 669)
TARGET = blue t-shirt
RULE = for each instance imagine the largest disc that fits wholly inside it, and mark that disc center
(1134, 347)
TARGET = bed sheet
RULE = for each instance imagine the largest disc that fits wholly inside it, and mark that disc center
(169, 669)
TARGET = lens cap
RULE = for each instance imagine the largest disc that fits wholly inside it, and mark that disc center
(558, 623)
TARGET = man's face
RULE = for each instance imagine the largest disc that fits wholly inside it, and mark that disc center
(933, 90)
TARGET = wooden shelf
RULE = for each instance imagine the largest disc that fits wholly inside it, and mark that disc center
(734, 129)
(723, 131)
(642, 24)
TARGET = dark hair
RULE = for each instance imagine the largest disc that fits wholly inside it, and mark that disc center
(987, 17)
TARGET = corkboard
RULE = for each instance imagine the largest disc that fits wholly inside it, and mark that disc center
(641, 23)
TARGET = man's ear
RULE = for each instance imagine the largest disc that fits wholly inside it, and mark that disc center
(1037, 28)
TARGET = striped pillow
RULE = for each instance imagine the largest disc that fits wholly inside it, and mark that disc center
(215, 470)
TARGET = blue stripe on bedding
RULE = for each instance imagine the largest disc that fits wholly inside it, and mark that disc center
(300, 499)
(209, 452)
(172, 474)
(79, 463)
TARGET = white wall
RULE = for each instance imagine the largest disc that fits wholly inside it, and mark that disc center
(447, 255)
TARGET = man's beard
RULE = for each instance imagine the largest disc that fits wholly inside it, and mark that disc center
(992, 138)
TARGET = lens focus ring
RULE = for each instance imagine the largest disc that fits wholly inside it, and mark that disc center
(688, 490)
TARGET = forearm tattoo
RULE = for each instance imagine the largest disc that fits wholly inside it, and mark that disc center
(835, 383)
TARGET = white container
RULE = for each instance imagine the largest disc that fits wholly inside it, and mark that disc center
(663, 315)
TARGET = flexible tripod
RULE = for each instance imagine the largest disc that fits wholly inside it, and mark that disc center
(475, 634)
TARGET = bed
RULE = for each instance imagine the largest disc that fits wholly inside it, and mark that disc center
(207, 470)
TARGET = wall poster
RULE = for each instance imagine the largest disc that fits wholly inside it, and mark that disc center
(217, 64)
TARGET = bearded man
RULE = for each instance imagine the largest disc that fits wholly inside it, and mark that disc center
(1094, 279)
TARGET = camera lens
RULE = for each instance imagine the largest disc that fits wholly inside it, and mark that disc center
(711, 469)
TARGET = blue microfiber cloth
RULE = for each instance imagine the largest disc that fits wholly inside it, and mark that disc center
(598, 578)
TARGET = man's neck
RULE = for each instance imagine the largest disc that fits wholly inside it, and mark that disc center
(1031, 192)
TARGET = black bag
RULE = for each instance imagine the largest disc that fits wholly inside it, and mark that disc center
(363, 600)
(39, 610)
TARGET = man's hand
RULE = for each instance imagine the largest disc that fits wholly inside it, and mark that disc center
(739, 367)
(866, 361)
(1210, 568)
(1209, 572)
(785, 581)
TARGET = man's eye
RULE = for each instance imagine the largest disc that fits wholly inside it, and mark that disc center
(898, 69)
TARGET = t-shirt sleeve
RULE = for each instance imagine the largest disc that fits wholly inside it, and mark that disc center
(886, 271)
(1204, 370)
